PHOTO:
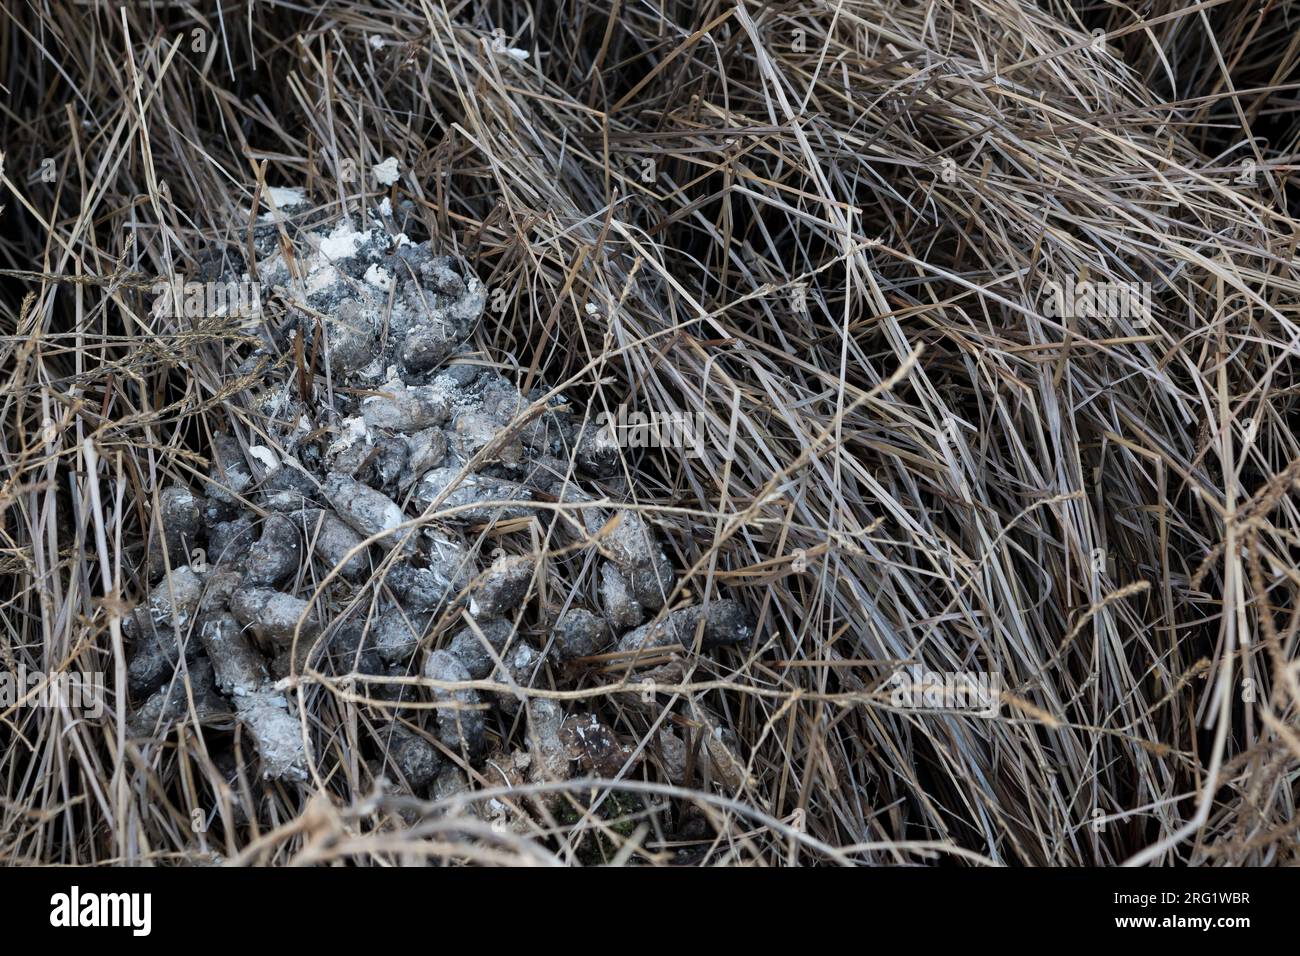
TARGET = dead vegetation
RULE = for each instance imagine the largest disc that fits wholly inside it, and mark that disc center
(827, 230)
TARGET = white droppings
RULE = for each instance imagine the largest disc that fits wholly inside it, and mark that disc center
(378, 276)
(265, 456)
(386, 172)
(284, 196)
(342, 242)
(391, 517)
(498, 45)
(353, 430)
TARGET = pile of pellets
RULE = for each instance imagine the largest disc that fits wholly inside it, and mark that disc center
(354, 528)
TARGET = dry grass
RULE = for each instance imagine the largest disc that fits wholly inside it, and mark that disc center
(947, 457)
